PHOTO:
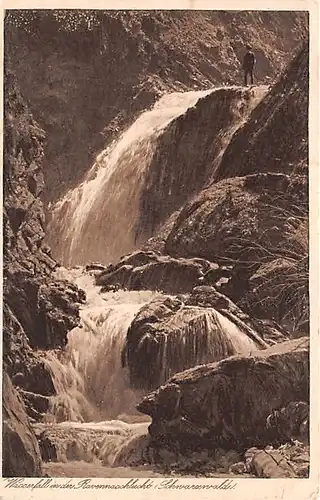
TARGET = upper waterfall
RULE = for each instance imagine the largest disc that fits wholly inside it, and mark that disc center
(96, 220)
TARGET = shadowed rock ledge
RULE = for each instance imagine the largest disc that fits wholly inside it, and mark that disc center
(227, 403)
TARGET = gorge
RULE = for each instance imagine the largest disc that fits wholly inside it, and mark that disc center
(155, 244)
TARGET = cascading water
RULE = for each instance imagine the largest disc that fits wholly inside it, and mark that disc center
(90, 381)
(93, 416)
(96, 220)
(209, 337)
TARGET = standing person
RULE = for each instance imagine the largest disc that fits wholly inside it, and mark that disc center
(248, 65)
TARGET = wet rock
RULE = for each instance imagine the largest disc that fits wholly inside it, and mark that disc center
(153, 271)
(47, 448)
(95, 266)
(111, 288)
(136, 451)
(269, 331)
(21, 455)
(168, 336)
(226, 403)
(35, 401)
(115, 445)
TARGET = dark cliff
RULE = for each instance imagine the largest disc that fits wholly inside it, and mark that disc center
(88, 74)
(38, 310)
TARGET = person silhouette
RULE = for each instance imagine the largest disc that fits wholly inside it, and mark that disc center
(248, 65)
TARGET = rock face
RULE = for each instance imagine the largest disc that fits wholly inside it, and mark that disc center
(171, 334)
(250, 222)
(281, 119)
(21, 455)
(46, 310)
(235, 214)
(121, 61)
(259, 222)
(38, 310)
(227, 403)
(223, 117)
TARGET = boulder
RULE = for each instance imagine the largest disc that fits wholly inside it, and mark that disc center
(21, 455)
(268, 331)
(227, 403)
(46, 309)
(150, 270)
(171, 334)
(167, 337)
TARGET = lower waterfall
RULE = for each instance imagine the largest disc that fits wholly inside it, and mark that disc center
(89, 379)
(93, 417)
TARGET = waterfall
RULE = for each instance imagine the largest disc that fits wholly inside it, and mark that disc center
(89, 379)
(93, 417)
(96, 220)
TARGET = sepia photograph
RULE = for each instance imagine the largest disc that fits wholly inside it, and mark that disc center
(156, 312)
